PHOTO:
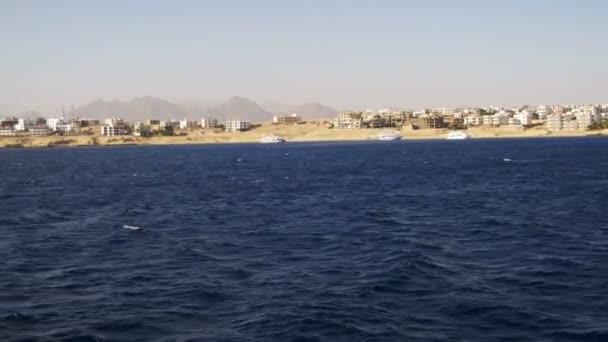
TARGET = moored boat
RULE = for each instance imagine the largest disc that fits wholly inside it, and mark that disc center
(272, 139)
(389, 136)
(457, 135)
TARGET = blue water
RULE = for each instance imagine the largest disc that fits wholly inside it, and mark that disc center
(394, 241)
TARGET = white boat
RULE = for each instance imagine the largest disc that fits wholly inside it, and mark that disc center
(389, 136)
(272, 139)
(457, 135)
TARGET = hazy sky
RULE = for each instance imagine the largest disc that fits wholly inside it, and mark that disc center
(347, 53)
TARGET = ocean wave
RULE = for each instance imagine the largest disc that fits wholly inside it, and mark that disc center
(357, 245)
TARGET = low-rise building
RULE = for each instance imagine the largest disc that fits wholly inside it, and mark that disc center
(67, 128)
(169, 124)
(453, 121)
(523, 118)
(237, 126)
(115, 122)
(348, 120)
(114, 126)
(501, 118)
(554, 122)
(61, 125)
(397, 119)
(209, 123)
(286, 119)
(142, 130)
(487, 120)
(429, 121)
(84, 122)
(153, 124)
(39, 131)
(472, 120)
(375, 121)
(188, 124)
(7, 132)
(53, 122)
(569, 123)
(23, 124)
(108, 130)
(559, 122)
(585, 119)
(543, 111)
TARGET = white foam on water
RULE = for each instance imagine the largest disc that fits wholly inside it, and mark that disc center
(507, 160)
(126, 226)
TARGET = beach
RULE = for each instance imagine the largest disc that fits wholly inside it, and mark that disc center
(306, 132)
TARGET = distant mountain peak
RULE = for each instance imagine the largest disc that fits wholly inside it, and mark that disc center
(239, 98)
(311, 110)
(234, 108)
(240, 108)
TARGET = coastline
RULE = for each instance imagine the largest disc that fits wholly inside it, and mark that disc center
(309, 132)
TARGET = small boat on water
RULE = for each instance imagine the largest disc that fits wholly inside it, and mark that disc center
(389, 136)
(457, 135)
(272, 139)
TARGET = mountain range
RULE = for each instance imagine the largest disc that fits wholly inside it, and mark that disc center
(235, 108)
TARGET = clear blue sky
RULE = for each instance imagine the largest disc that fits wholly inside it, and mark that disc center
(345, 54)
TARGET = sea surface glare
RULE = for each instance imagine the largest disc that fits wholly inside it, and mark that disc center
(480, 240)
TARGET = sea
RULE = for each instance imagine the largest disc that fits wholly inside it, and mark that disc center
(476, 240)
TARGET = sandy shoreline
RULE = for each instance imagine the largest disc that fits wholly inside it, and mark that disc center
(310, 132)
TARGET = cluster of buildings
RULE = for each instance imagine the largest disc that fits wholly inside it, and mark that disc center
(583, 117)
(555, 118)
(292, 119)
(177, 127)
(13, 127)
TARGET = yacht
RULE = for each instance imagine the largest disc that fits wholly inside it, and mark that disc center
(457, 135)
(389, 136)
(272, 139)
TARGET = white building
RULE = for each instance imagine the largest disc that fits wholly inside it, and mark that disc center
(187, 124)
(565, 122)
(486, 120)
(543, 111)
(39, 131)
(554, 122)
(61, 125)
(53, 122)
(444, 111)
(114, 122)
(585, 119)
(109, 131)
(66, 127)
(523, 118)
(237, 125)
(419, 112)
(472, 120)
(23, 124)
(500, 119)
